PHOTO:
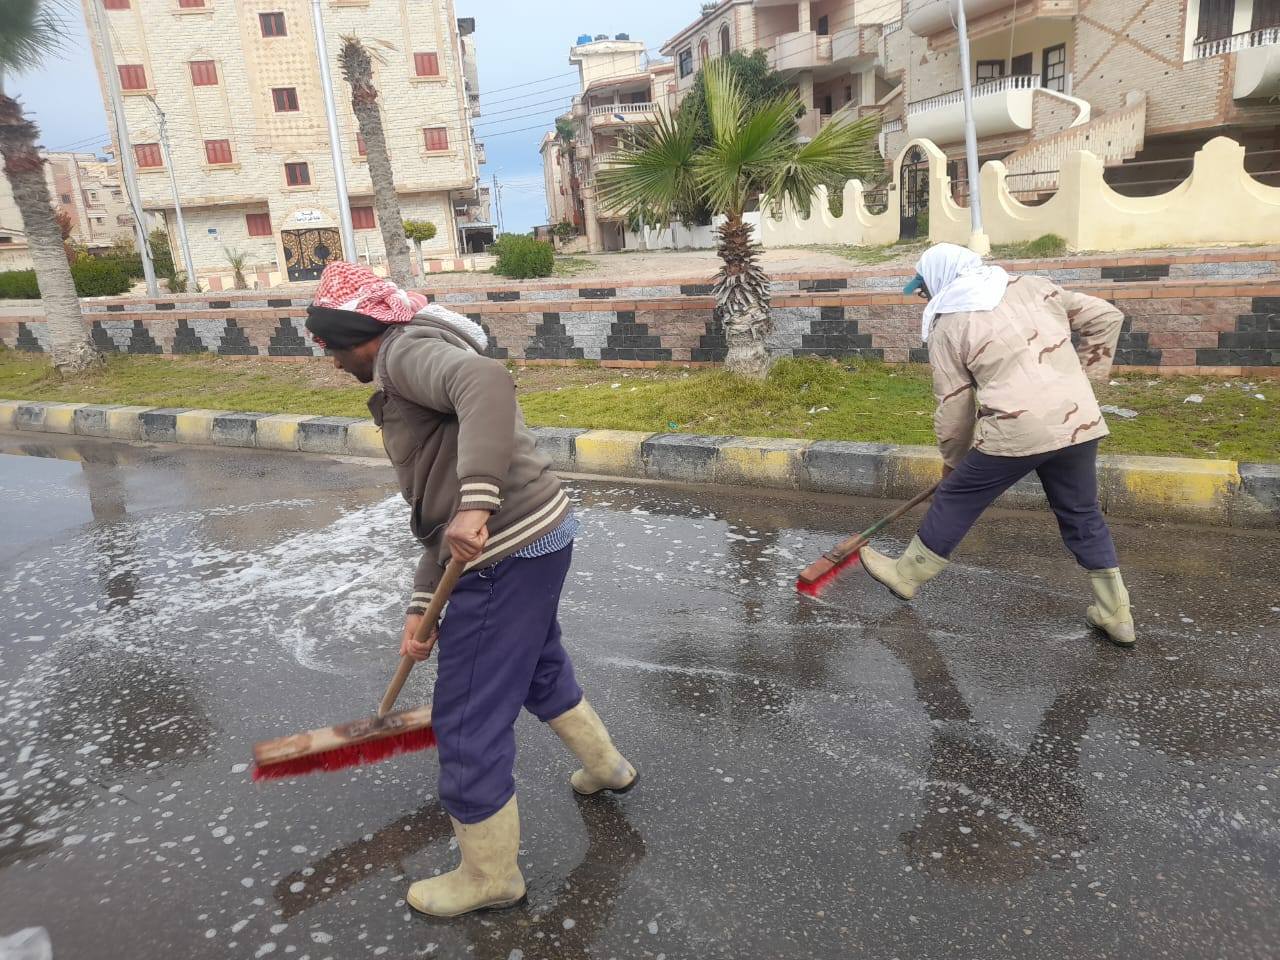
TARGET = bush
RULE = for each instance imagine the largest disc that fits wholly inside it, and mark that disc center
(93, 278)
(100, 278)
(521, 257)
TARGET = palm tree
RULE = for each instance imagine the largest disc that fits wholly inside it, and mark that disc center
(30, 31)
(357, 69)
(753, 157)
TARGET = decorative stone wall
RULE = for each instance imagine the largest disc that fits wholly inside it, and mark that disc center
(1177, 322)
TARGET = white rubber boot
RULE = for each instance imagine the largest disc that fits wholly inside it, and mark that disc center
(908, 573)
(487, 879)
(603, 767)
(1111, 613)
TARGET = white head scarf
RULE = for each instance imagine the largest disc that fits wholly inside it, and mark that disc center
(958, 281)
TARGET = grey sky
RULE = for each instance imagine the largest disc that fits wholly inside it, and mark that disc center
(518, 43)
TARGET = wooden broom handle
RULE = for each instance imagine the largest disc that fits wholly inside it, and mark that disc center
(855, 543)
(424, 633)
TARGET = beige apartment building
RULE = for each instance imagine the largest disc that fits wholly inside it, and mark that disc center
(88, 189)
(240, 84)
(1141, 83)
(620, 90)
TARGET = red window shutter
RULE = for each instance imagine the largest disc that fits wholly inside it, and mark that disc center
(362, 218)
(426, 64)
(259, 224)
(437, 138)
(297, 174)
(272, 24)
(204, 73)
(361, 148)
(217, 151)
(191, 4)
(148, 154)
(115, 4)
(133, 76)
(285, 99)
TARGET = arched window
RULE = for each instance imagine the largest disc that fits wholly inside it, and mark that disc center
(724, 40)
(704, 50)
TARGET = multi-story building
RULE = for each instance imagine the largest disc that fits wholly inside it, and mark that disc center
(1141, 83)
(240, 84)
(620, 90)
(85, 187)
(831, 49)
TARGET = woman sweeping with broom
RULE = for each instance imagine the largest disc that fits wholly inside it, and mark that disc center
(1013, 397)
(480, 495)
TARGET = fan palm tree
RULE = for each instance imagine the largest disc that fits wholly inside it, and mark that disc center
(30, 31)
(753, 157)
(357, 69)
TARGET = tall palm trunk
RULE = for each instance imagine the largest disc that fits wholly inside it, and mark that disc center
(73, 351)
(742, 297)
(357, 68)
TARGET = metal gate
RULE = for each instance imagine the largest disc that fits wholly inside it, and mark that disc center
(914, 187)
(307, 251)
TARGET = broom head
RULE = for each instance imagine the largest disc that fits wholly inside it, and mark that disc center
(820, 574)
(347, 745)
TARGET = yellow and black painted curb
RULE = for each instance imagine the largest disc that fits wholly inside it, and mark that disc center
(1219, 492)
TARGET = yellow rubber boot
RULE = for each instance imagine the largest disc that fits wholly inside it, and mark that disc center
(603, 767)
(1110, 613)
(908, 573)
(487, 879)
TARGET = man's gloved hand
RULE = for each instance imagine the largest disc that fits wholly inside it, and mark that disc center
(467, 534)
(408, 646)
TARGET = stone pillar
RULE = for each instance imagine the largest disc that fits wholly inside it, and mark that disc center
(594, 242)
(805, 20)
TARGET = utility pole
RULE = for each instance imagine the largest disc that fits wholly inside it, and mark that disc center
(497, 203)
(177, 203)
(126, 149)
(979, 242)
(335, 145)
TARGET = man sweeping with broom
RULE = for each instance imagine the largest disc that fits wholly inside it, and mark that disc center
(1013, 397)
(479, 493)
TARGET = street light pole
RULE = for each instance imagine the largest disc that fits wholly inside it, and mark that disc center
(335, 148)
(126, 149)
(177, 203)
(979, 242)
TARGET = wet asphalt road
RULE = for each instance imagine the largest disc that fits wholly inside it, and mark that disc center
(974, 776)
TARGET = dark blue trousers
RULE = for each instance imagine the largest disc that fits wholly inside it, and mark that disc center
(499, 650)
(1070, 480)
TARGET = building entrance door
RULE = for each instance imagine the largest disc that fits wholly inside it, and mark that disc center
(307, 251)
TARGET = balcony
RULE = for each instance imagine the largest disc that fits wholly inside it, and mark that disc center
(802, 50)
(623, 114)
(1257, 61)
(481, 157)
(927, 18)
(999, 106)
(857, 43)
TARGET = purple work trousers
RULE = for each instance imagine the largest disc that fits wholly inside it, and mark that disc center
(1070, 480)
(499, 650)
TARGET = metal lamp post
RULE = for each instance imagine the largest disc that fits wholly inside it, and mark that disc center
(979, 242)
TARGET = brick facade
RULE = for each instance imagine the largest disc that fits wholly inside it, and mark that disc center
(165, 40)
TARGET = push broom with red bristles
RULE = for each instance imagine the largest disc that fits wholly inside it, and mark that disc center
(369, 739)
(820, 574)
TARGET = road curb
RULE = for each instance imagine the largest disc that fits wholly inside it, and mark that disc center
(1219, 492)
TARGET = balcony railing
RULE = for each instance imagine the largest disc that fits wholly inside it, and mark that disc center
(1266, 37)
(1029, 81)
(626, 109)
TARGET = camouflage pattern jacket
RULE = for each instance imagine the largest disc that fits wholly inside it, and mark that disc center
(1008, 382)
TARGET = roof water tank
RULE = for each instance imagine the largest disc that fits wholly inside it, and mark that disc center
(584, 38)
(602, 36)
(623, 36)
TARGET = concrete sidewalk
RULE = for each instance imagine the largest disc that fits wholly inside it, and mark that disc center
(1218, 492)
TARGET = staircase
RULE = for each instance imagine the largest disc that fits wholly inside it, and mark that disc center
(1114, 137)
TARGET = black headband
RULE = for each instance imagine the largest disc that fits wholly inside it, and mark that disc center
(342, 329)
